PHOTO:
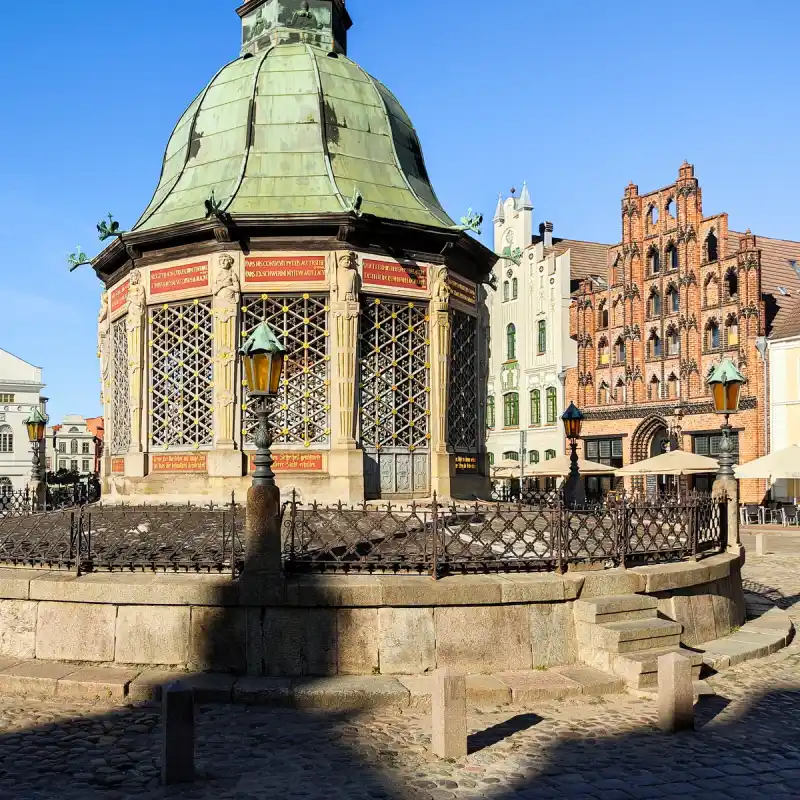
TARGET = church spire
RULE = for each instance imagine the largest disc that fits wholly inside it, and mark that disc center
(321, 23)
(500, 213)
(525, 202)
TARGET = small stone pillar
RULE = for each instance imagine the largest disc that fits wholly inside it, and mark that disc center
(440, 338)
(262, 543)
(177, 734)
(449, 715)
(137, 333)
(675, 693)
(761, 544)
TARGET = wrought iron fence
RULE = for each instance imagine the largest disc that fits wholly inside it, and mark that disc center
(127, 538)
(439, 539)
(23, 502)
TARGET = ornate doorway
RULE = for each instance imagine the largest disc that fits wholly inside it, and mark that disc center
(395, 398)
(651, 439)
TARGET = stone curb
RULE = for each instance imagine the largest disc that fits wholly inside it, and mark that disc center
(46, 679)
(768, 630)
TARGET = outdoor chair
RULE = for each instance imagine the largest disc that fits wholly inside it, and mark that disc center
(772, 514)
(750, 514)
(790, 515)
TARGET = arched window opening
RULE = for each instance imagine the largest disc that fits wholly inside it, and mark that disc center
(73, 447)
(549, 455)
(620, 351)
(506, 291)
(6, 439)
(732, 330)
(603, 394)
(673, 387)
(533, 456)
(732, 284)
(511, 342)
(536, 407)
(655, 345)
(511, 455)
(655, 303)
(672, 210)
(514, 289)
(672, 257)
(652, 214)
(511, 410)
(654, 261)
(603, 355)
(490, 413)
(673, 342)
(712, 335)
(712, 253)
(602, 315)
(6, 487)
(654, 389)
(619, 311)
(552, 407)
(621, 391)
(542, 337)
(712, 291)
(673, 300)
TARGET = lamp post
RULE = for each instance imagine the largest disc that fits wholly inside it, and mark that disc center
(36, 425)
(726, 384)
(573, 421)
(262, 361)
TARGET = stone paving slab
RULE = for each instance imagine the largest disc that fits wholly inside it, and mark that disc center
(96, 683)
(531, 687)
(263, 691)
(347, 694)
(37, 678)
(148, 685)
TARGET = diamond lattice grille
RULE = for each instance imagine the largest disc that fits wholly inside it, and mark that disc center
(463, 402)
(302, 411)
(121, 409)
(395, 385)
(181, 375)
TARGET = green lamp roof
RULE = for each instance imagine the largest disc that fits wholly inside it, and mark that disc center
(262, 340)
(294, 129)
(725, 372)
(36, 417)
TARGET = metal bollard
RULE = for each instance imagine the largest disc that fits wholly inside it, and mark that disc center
(177, 734)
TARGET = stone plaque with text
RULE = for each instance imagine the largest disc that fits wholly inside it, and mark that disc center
(400, 276)
(293, 462)
(179, 462)
(296, 269)
(176, 279)
(119, 297)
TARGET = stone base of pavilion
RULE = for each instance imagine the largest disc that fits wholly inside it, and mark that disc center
(327, 626)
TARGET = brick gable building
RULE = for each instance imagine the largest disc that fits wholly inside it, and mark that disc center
(680, 293)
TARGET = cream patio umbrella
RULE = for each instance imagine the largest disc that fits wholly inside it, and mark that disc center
(506, 468)
(676, 462)
(559, 467)
(774, 466)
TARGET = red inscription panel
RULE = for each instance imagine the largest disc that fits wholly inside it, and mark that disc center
(284, 270)
(174, 279)
(463, 291)
(401, 276)
(179, 462)
(119, 297)
(293, 462)
(118, 466)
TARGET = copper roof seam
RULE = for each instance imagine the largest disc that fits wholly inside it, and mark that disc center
(251, 113)
(323, 127)
(199, 99)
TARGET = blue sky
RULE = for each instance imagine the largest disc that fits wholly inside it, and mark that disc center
(576, 96)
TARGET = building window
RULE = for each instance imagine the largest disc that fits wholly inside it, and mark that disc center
(602, 315)
(654, 389)
(549, 455)
(605, 451)
(711, 247)
(671, 208)
(621, 391)
(506, 291)
(654, 261)
(542, 336)
(552, 407)
(712, 291)
(490, 413)
(536, 407)
(6, 398)
(511, 455)
(73, 465)
(603, 394)
(511, 410)
(73, 447)
(655, 303)
(6, 487)
(652, 215)
(732, 284)
(655, 345)
(709, 444)
(62, 464)
(85, 466)
(533, 456)
(673, 300)
(673, 342)
(511, 342)
(619, 312)
(732, 330)
(514, 289)
(619, 351)
(712, 335)
(603, 354)
(673, 386)
(62, 447)
(491, 459)
(85, 448)
(6, 439)
(672, 257)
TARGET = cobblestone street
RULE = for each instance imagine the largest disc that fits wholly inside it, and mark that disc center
(747, 745)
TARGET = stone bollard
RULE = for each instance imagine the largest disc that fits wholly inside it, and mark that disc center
(177, 734)
(761, 544)
(449, 714)
(675, 693)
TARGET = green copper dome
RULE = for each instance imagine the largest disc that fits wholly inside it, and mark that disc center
(293, 127)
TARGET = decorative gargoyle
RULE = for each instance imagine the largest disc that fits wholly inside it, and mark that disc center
(214, 209)
(355, 202)
(77, 259)
(514, 256)
(108, 230)
(471, 222)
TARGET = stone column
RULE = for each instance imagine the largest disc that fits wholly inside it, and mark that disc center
(137, 306)
(225, 460)
(105, 354)
(440, 338)
(449, 715)
(346, 463)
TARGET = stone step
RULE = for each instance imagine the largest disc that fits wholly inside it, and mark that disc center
(640, 670)
(616, 608)
(634, 635)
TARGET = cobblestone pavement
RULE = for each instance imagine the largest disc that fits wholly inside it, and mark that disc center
(747, 745)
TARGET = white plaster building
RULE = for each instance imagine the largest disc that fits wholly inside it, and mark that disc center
(20, 392)
(531, 347)
(72, 445)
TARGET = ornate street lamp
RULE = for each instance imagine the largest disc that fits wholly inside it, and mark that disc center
(726, 384)
(573, 422)
(262, 362)
(262, 359)
(36, 425)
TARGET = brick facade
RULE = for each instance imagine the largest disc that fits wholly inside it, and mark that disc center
(681, 293)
